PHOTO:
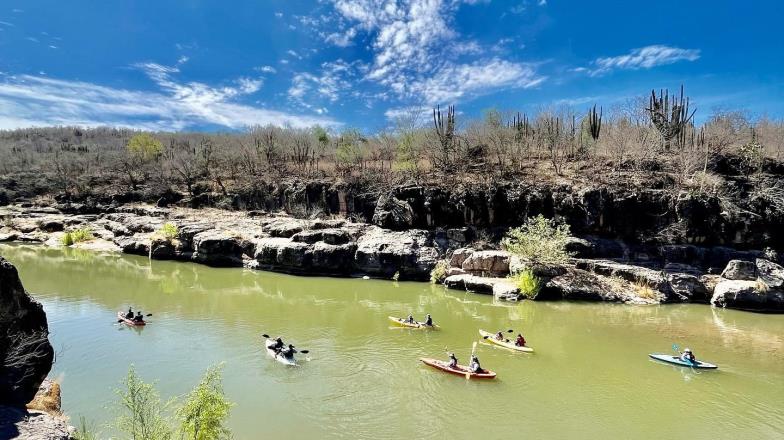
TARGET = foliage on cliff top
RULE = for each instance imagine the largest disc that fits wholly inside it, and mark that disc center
(528, 283)
(539, 240)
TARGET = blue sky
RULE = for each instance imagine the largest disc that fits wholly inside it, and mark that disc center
(225, 65)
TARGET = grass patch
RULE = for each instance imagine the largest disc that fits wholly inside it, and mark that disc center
(645, 291)
(528, 283)
(169, 231)
(77, 236)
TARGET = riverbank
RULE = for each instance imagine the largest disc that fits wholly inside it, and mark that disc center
(601, 270)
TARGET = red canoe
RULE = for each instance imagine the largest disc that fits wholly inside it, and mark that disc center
(121, 317)
(460, 370)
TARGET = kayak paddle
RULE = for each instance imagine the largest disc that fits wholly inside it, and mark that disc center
(473, 349)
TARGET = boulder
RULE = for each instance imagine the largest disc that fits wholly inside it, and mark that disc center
(577, 284)
(50, 224)
(391, 213)
(747, 295)
(459, 256)
(499, 287)
(134, 245)
(23, 424)
(282, 254)
(770, 273)
(631, 273)
(25, 353)
(162, 249)
(517, 265)
(740, 270)
(217, 248)
(330, 259)
(383, 253)
(8, 236)
(284, 227)
(487, 262)
(687, 288)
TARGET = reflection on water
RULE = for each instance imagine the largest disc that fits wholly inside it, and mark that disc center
(589, 378)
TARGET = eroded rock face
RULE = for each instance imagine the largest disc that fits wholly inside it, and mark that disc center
(487, 262)
(392, 213)
(770, 273)
(740, 270)
(25, 353)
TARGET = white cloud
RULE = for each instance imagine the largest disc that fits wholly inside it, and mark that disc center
(333, 80)
(294, 54)
(266, 69)
(416, 53)
(279, 14)
(644, 58)
(5, 23)
(36, 101)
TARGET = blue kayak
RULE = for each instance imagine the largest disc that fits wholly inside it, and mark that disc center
(678, 361)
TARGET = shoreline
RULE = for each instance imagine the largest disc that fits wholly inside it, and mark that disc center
(601, 270)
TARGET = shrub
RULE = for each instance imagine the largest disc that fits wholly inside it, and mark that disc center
(528, 283)
(539, 240)
(169, 231)
(85, 430)
(67, 239)
(204, 413)
(145, 147)
(438, 274)
(645, 291)
(76, 236)
(142, 417)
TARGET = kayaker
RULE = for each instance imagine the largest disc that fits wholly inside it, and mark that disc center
(288, 352)
(129, 315)
(139, 317)
(520, 341)
(452, 361)
(277, 345)
(429, 320)
(474, 366)
(410, 319)
(688, 356)
(499, 336)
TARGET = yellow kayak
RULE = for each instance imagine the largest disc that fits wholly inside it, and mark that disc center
(506, 343)
(403, 323)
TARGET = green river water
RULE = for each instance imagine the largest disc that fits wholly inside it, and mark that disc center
(590, 377)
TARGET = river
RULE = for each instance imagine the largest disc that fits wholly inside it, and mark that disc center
(589, 378)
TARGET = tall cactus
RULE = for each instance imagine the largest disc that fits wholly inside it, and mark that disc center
(445, 130)
(595, 122)
(671, 118)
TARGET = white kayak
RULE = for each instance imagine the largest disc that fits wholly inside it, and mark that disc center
(282, 359)
(675, 360)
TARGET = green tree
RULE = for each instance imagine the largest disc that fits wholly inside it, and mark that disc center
(141, 415)
(206, 409)
(145, 147)
(539, 240)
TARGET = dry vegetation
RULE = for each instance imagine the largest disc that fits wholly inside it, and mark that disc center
(628, 142)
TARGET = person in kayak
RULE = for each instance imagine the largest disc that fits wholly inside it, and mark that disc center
(428, 320)
(277, 345)
(138, 318)
(688, 356)
(474, 366)
(288, 352)
(520, 341)
(410, 319)
(452, 361)
(129, 315)
(499, 336)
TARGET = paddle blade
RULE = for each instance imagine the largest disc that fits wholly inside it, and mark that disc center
(485, 337)
(265, 335)
(510, 331)
(304, 351)
(675, 347)
(149, 314)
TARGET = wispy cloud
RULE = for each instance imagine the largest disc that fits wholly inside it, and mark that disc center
(333, 80)
(643, 58)
(266, 69)
(417, 55)
(36, 101)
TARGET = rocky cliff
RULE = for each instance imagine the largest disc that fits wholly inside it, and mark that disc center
(25, 353)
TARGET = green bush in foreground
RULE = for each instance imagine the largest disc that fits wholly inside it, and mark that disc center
(528, 283)
(539, 240)
(143, 416)
(438, 274)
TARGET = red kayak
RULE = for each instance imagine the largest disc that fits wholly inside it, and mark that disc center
(132, 323)
(460, 370)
